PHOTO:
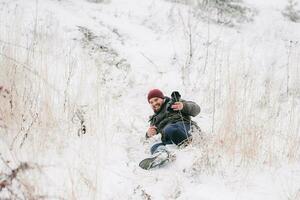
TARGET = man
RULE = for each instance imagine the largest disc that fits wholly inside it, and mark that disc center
(172, 119)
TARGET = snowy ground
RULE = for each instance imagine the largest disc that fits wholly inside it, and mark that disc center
(66, 63)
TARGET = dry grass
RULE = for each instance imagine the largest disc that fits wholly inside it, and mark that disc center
(255, 121)
(43, 85)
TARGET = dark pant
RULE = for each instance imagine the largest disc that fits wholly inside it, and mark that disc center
(174, 134)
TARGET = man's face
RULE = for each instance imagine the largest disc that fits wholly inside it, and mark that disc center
(156, 103)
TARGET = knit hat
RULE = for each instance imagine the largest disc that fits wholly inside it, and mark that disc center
(155, 93)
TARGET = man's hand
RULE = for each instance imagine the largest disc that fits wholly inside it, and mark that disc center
(151, 131)
(177, 106)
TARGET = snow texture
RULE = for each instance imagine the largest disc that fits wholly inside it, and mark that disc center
(73, 84)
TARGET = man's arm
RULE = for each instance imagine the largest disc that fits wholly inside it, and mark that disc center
(190, 108)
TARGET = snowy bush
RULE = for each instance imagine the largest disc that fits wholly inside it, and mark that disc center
(291, 12)
(98, 1)
(226, 12)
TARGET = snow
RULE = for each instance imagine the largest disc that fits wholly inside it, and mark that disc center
(58, 57)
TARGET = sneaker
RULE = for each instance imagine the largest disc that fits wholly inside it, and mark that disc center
(156, 160)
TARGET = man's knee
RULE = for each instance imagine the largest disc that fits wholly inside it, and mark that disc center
(177, 128)
(170, 129)
(155, 147)
(177, 132)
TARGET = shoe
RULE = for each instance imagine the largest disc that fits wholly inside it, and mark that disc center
(156, 160)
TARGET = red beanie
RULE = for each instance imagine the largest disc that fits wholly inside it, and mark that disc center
(155, 93)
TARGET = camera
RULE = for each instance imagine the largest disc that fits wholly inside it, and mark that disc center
(175, 97)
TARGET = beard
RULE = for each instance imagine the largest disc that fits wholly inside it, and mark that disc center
(156, 107)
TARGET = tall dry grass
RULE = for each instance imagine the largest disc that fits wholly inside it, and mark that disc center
(49, 93)
(256, 121)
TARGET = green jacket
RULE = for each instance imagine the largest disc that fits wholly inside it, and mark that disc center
(164, 117)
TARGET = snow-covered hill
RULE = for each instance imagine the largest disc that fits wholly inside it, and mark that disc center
(73, 84)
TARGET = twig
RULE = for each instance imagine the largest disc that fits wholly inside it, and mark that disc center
(28, 129)
(26, 67)
(288, 68)
(149, 60)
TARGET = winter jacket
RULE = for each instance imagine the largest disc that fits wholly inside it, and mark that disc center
(164, 117)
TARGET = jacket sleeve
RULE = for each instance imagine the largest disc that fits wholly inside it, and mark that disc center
(190, 108)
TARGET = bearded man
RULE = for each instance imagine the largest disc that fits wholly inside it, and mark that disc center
(171, 119)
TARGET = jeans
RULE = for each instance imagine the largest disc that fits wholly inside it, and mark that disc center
(174, 134)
